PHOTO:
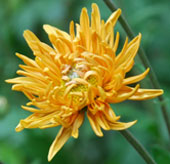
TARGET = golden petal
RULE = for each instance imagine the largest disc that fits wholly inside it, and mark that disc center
(27, 60)
(34, 123)
(102, 93)
(30, 68)
(29, 96)
(62, 137)
(121, 125)
(35, 76)
(67, 44)
(77, 123)
(116, 42)
(116, 82)
(55, 31)
(84, 25)
(49, 125)
(100, 118)
(121, 54)
(94, 124)
(25, 80)
(47, 50)
(95, 18)
(72, 32)
(38, 120)
(60, 45)
(145, 94)
(31, 40)
(127, 60)
(109, 114)
(122, 95)
(19, 128)
(34, 110)
(112, 19)
(134, 79)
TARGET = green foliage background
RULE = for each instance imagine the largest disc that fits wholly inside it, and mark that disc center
(150, 17)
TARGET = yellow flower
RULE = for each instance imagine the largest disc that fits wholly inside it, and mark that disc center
(81, 73)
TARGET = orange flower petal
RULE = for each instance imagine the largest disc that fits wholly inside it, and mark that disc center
(94, 124)
(55, 31)
(62, 137)
(101, 120)
(113, 19)
(123, 95)
(121, 125)
(145, 94)
(95, 18)
(77, 123)
(127, 59)
(27, 60)
(135, 79)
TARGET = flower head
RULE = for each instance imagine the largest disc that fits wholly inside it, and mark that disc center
(81, 74)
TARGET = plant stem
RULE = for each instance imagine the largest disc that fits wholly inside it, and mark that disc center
(145, 61)
(138, 146)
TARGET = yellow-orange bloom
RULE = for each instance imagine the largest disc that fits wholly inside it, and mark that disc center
(81, 73)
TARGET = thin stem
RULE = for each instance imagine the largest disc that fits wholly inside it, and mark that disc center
(145, 61)
(138, 146)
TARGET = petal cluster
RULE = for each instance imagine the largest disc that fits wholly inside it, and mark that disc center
(81, 73)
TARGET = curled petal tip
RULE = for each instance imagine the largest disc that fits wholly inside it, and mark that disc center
(49, 158)
(18, 54)
(135, 121)
(94, 5)
(137, 86)
(129, 124)
(148, 69)
(140, 36)
(119, 10)
(7, 81)
(74, 135)
(26, 32)
(84, 9)
(122, 125)
(19, 128)
(161, 92)
(45, 26)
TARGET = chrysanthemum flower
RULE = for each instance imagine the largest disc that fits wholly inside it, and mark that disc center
(80, 74)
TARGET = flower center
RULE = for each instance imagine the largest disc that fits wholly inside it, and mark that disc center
(73, 88)
(77, 80)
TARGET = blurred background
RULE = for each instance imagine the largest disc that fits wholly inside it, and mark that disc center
(150, 17)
